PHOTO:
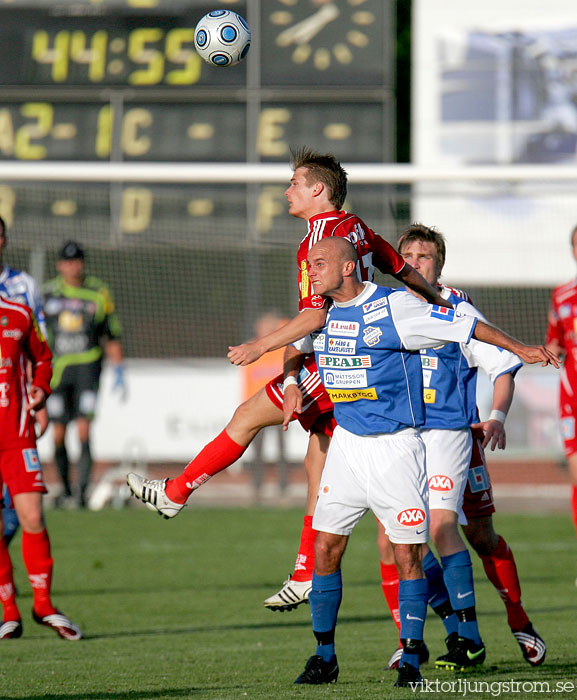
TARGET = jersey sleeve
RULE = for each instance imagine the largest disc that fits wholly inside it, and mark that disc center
(385, 257)
(37, 350)
(304, 345)
(492, 359)
(421, 325)
(112, 327)
(36, 303)
(554, 328)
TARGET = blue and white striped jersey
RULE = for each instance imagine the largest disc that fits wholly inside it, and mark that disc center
(21, 287)
(368, 360)
(450, 373)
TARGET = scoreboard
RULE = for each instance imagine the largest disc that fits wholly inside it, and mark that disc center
(120, 81)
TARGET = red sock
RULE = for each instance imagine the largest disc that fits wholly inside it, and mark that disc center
(7, 591)
(213, 458)
(38, 563)
(305, 563)
(390, 586)
(501, 570)
(574, 505)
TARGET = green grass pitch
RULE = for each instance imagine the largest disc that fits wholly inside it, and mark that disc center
(173, 609)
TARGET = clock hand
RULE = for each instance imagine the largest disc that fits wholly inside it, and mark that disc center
(304, 31)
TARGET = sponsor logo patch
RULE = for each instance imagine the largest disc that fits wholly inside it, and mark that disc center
(568, 428)
(342, 346)
(429, 362)
(429, 395)
(411, 517)
(565, 311)
(349, 329)
(375, 315)
(317, 301)
(440, 482)
(15, 333)
(319, 342)
(442, 313)
(372, 335)
(374, 305)
(337, 396)
(350, 362)
(344, 380)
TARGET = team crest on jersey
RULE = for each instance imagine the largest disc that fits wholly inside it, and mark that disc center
(375, 315)
(411, 517)
(568, 428)
(345, 380)
(429, 362)
(372, 335)
(4, 399)
(374, 305)
(348, 362)
(316, 301)
(442, 313)
(319, 342)
(440, 482)
(4, 321)
(565, 311)
(349, 329)
(342, 346)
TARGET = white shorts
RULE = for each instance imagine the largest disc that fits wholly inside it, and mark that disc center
(385, 473)
(448, 460)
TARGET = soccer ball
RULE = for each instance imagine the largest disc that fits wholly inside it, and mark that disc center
(222, 38)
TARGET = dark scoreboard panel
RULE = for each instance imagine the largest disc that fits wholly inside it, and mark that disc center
(119, 80)
(201, 131)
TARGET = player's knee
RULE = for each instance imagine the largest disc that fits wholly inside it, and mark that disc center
(483, 541)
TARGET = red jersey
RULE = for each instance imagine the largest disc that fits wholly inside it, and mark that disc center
(562, 327)
(20, 340)
(373, 251)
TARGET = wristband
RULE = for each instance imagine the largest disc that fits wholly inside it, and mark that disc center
(498, 415)
(289, 381)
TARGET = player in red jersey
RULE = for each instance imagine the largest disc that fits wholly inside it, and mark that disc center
(21, 341)
(562, 339)
(316, 194)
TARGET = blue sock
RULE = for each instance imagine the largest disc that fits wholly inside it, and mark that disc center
(413, 596)
(438, 594)
(458, 575)
(325, 600)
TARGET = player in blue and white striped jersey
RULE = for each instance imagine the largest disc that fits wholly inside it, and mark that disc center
(20, 287)
(456, 468)
(366, 355)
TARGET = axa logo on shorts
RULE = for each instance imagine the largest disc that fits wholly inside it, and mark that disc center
(349, 329)
(412, 517)
(440, 482)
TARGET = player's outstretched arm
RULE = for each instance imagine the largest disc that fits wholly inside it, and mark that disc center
(413, 279)
(298, 327)
(293, 397)
(528, 353)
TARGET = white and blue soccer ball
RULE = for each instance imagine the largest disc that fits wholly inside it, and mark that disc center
(222, 38)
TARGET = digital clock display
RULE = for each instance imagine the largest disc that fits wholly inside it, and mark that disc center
(115, 49)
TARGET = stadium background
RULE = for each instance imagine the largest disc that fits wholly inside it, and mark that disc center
(192, 266)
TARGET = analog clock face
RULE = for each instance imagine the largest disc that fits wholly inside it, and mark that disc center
(326, 42)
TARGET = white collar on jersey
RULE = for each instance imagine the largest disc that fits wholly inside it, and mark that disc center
(360, 298)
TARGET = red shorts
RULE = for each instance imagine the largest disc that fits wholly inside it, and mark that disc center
(567, 415)
(21, 471)
(317, 414)
(478, 498)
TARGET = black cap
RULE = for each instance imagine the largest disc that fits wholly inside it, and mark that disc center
(71, 251)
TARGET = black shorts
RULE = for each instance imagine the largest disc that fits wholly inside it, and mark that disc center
(75, 395)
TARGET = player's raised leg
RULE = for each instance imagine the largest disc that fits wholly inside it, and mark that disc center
(168, 496)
